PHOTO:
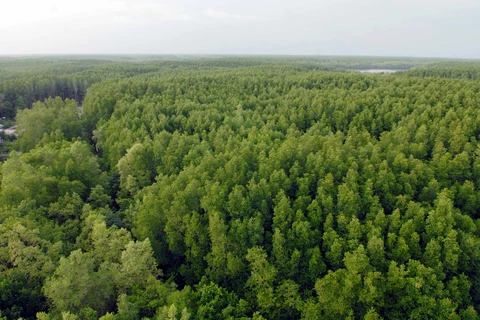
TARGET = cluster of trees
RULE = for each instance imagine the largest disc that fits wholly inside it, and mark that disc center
(24, 81)
(445, 70)
(262, 191)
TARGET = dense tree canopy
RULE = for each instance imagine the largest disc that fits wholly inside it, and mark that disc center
(245, 188)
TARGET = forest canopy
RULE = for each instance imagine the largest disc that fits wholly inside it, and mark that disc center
(240, 188)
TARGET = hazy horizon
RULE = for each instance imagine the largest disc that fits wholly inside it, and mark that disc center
(222, 55)
(370, 28)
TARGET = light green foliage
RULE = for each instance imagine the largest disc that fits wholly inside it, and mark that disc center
(108, 316)
(49, 172)
(51, 116)
(42, 316)
(69, 316)
(137, 265)
(217, 258)
(372, 315)
(126, 309)
(77, 284)
(172, 313)
(114, 268)
(25, 261)
(136, 168)
(22, 248)
(107, 243)
(261, 279)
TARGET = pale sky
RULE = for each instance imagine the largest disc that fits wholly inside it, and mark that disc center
(422, 28)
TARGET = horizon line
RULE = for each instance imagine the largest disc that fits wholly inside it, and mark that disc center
(231, 55)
